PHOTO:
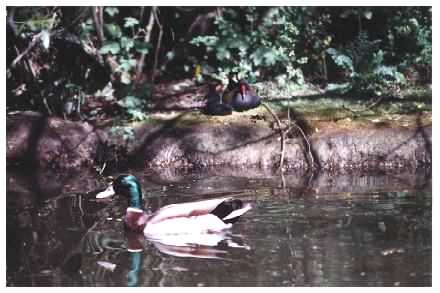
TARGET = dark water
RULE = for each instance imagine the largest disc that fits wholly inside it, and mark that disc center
(322, 231)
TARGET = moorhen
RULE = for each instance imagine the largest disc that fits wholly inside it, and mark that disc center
(245, 99)
(214, 105)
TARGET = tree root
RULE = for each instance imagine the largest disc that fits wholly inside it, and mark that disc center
(292, 124)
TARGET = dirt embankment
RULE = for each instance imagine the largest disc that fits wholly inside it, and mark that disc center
(240, 141)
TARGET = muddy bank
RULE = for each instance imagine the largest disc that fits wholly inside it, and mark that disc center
(242, 141)
(49, 142)
(245, 142)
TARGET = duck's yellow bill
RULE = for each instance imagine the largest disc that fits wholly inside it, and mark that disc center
(106, 193)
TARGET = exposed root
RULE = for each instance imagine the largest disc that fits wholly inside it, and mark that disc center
(283, 134)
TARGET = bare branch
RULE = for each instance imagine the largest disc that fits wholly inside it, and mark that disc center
(159, 40)
(35, 40)
(149, 29)
(98, 21)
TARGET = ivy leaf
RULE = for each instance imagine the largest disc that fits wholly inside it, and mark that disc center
(114, 30)
(257, 56)
(136, 114)
(111, 47)
(127, 43)
(126, 64)
(270, 57)
(111, 11)
(368, 14)
(223, 53)
(130, 102)
(341, 60)
(208, 41)
(130, 22)
(125, 77)
(142, 47)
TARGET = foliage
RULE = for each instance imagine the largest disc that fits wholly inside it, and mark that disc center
(123, 39)
(409, 36)
(364, 62)
(314, 39)
(133, 107)
(254, 43)
(367, 50)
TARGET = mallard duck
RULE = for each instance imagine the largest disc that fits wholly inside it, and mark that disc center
(214, 105)
(200, 217)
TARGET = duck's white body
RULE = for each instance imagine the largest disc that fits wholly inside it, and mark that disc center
(187, 225)
(190, 218)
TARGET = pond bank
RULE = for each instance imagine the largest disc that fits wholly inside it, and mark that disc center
(239, 141)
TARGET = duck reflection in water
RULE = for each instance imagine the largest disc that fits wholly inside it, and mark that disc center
(208, 246)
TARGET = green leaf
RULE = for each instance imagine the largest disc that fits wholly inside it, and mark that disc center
(114, 30)
(170, 55)
(208, 41)
(130, 102)
(125, 77)
(257, 56)
(142, 47)
(111, 11)
(341, 60)
(130, 22)
(111, 47)
(270, 58)
(368, 14)
(127, 43)
(223, 53)
(136, 114)
(126, 64)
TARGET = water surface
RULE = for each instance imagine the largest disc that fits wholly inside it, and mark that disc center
(350, 230)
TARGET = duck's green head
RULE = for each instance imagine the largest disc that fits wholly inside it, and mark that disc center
(125, 185)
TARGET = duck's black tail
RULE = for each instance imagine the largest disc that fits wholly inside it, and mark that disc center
(230, 211)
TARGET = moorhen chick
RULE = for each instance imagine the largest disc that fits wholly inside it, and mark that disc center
(230, 90)
(214, 105)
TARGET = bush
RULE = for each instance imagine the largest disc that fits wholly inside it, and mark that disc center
(363, 62)
(255, 43)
